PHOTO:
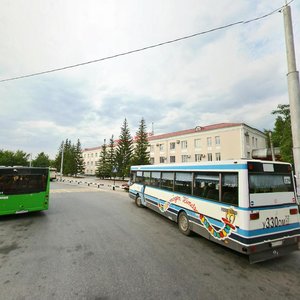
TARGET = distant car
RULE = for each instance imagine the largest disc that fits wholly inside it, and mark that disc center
(125, 186)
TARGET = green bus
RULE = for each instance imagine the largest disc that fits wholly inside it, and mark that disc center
(23, 189)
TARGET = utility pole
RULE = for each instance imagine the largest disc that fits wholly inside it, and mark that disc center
(62, 161)
(293, 88)
(271, 146)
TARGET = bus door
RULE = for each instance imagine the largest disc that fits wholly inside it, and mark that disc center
(146, 182)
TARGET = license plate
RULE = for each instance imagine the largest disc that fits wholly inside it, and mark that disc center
(276, 244)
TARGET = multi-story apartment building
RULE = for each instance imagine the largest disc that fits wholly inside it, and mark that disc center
(214, 142)
(91, 157)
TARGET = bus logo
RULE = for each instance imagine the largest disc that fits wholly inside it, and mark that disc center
(228, 221)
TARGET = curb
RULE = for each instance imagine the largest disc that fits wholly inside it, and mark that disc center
(92, 184)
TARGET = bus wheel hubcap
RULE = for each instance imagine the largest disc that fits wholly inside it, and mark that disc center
(183, 223)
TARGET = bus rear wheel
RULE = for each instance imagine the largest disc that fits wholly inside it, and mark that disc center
(183, 223)
(138, 201)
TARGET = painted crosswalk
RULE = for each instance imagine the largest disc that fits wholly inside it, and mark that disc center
(80, 190)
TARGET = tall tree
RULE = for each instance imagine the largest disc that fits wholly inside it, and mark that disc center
(57, 161)
(69, 158)
(103, 169)
(282, 132)
(42, 160)
(111, 155)
(79, 159)
(124, 151)
(141, 154)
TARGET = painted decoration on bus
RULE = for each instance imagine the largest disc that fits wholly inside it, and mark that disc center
(228, 220)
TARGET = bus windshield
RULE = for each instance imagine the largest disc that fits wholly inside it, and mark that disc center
(13, 183)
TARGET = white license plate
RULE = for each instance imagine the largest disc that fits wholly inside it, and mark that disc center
(276, 244)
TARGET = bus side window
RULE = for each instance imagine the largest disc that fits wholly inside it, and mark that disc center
(230, 188)
(155, 179)
(147, 178)
(167, 180)
(183, 182)
(139, 177)
(206, 185)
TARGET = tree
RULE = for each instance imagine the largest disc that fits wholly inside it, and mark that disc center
(42, 160)
(141, 154)
(69, 158)
(103, 169)
(57, 161)
(69, 161)
(10, 158)
(124, 151)
(111, 155)
(79, 159)
(282, 132)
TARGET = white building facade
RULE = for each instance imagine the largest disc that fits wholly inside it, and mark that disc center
(203, 143)
(91, 157)
(208, 143)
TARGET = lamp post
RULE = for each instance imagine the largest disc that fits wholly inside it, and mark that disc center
(62, 161)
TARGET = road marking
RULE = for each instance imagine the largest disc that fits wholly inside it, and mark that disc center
(80, 190)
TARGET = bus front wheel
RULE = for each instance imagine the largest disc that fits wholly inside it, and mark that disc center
(183, 223)
(138, 201)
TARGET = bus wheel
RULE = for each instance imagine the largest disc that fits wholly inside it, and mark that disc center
(138, 201)
(183, 223)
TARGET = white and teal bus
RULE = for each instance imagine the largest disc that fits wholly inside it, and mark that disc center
(247, 205)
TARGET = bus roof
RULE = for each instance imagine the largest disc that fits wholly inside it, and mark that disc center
(208, 165)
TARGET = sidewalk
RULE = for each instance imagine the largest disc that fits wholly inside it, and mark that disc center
(93, 181)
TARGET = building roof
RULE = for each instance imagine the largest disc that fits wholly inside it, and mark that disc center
(92, 149)
(193, 130)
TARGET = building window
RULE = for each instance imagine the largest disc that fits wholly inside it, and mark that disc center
(247, 138)
(172, 159)
(172, 146)
(96, 154)
(218, 156)
(184, 158)
(183, 144)
(161, 147)
(198, 157)
(84, 155)
(217, 140)
(197, 143)
(161, 159)
(209, 156)
(252, 141)
(152, 160)
(248, 155)
(255, 142)
(209, 142)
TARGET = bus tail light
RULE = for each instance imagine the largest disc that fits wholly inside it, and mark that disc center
(254, 216)
(293, 211)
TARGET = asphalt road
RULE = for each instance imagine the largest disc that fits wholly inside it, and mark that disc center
(96, 244)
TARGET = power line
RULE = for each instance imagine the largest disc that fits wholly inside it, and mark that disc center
(147, 47)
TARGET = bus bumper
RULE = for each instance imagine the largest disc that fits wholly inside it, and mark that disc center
(267, 251)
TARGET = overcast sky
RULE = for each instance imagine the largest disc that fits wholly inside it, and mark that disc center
(236, 74)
